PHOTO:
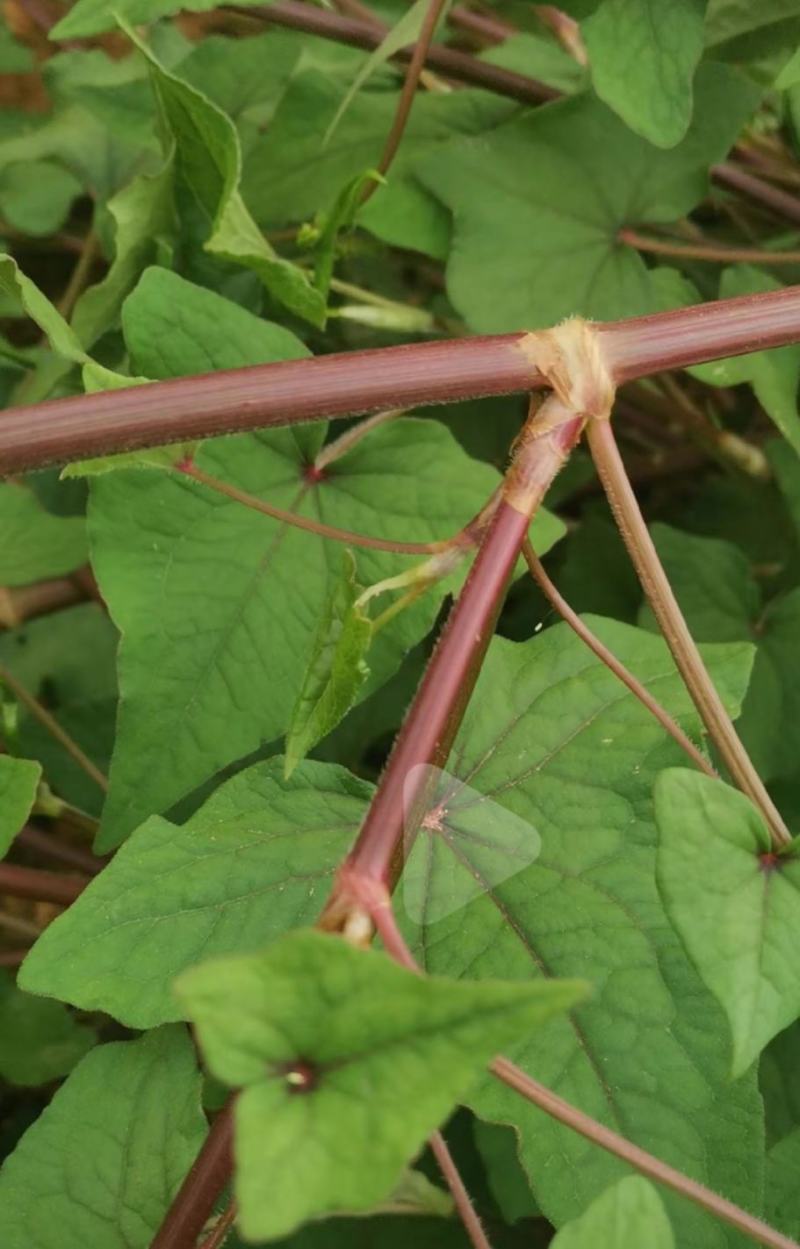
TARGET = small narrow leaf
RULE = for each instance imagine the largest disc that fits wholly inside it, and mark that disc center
(629, 1215)
(98, 1168)
(348, 1062)
(19, 780)
(734, 902)
(39, 1040)
(336, 669)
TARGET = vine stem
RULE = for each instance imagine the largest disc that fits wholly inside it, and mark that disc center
(29, 882)
(440, 702)
(32, 838)
(405, 103)
(639, 1159)
(52, 726)
(608, 657)
(705, 251)
(348, 383)
(463, 1204)
(778, 201)
(644, 557)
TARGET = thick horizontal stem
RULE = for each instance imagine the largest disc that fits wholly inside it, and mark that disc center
(365, 381)
(28, 882)
(368, 35)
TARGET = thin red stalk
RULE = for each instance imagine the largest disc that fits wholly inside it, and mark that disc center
(29, 882)
(31, 838)
(780, 202)
(222, 1228)
(366, 381)
(683, 648)
(439, 704)
(194, 1201)
(466, 1210)
(716, 252)
(307, 522)
(607, 657)
(637, 1158)
(405, 103)
(362, 34)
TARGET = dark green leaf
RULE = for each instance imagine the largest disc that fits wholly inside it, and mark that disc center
(36, 544)
(39, 1041)
(19, 780)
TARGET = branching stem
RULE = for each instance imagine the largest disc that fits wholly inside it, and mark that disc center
(684, 650)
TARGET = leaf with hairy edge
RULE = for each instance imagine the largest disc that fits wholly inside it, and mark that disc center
(629, 1215)
(192, 578)
(39, 1041)
(19, 781)
(98, 1168)
(254, 861)
(734, 902)
(568, 758)
(208, 161)
(643, 55)
(538, 203)
(336, 669)
(36, 544)
(355, 1057)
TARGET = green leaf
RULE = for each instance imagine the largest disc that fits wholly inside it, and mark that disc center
(35, 196)
(208, 164)
(256, 860)
(39, 1041)
(782, 1203)
(352, 1055)
(36, 544)
(90, 17)
(627, 1216)
(555, 876)
(773, 375)
(176, 560)
(291, 173)
(336, 669)
(537, 56)
(716, 589)
(67, 661)
(538, 203)
(643, 55)
(98, 1168)
(498, 1147)
(735, 904)
(727, 19)
(19, 781)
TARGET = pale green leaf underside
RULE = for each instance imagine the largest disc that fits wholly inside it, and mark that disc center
(98, 1168)
(387, 1053)
(737, 913)
(629, 1215)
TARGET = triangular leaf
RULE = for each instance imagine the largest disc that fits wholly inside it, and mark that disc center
(629, 1215)
(19, 780)
(355, 1056)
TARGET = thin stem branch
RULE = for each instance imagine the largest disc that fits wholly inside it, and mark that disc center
(194, 1201)
(52, 726)
(464, 1207)
(777, 201)
(32, 838)
(80, 274)
(14, 958)
(221, 1229)
(29, 882)
(20, 928)
(644, 557)
(337, 447)
(637, 1158)
(607, 657)
(406, 101)
(306, 522)
(716, 252)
